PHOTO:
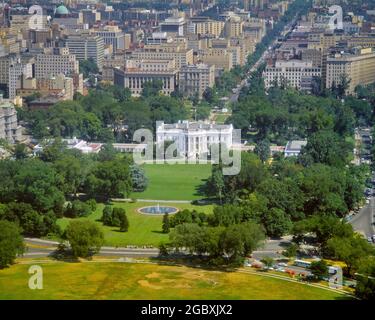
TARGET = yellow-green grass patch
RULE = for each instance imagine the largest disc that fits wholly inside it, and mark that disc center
(146, 281)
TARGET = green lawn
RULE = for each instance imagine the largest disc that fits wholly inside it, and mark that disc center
(109, 280)
(220, 118)
(174, 182)
(143, 229)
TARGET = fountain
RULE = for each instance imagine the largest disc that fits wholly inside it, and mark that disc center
(155, 210)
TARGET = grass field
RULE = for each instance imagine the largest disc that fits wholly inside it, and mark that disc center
(143, 229)
(220, 118)
(145, 281)
(174, 182)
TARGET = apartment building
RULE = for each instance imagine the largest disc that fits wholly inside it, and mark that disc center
(358, 66)
(137, 72)
(295, 73)
(196, 79)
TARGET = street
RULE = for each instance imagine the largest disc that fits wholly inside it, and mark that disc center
(288, 28)
(38, 248)
(363, 222)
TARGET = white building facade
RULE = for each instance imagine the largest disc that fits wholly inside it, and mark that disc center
(193, 139)
(295, 73)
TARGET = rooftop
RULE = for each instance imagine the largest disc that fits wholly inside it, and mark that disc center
(295, 145)
(195, 126)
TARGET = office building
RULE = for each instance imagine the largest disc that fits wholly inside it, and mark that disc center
(55, 61)
(85, 46)
(137, 72)
(195, 79)
(358, 66)
(294, 73)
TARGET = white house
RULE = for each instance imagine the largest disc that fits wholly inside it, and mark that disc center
(193, 139)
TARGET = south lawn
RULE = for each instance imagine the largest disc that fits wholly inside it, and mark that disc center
(111, 280)
(174, 181)
(143, 229)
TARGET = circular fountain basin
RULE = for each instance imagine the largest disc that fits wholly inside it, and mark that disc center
(155, 210)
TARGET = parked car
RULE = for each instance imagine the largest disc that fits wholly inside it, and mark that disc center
(282, 264)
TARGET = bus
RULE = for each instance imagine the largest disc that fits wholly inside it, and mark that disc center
(302, 263)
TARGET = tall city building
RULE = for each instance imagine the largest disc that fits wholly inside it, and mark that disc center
(86, 46)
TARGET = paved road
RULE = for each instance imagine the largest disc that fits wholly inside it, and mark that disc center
(38, 248)
(364, 220)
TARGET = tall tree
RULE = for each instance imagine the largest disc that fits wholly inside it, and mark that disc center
(262, 149)
(166, 223)
(85, 237)
(11, 243)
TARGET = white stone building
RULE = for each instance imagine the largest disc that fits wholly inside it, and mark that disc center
(194, 139)
(294, 73)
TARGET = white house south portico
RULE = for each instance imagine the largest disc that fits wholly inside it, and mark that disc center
(193, 139)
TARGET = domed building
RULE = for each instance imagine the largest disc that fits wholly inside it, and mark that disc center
(61, 12)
